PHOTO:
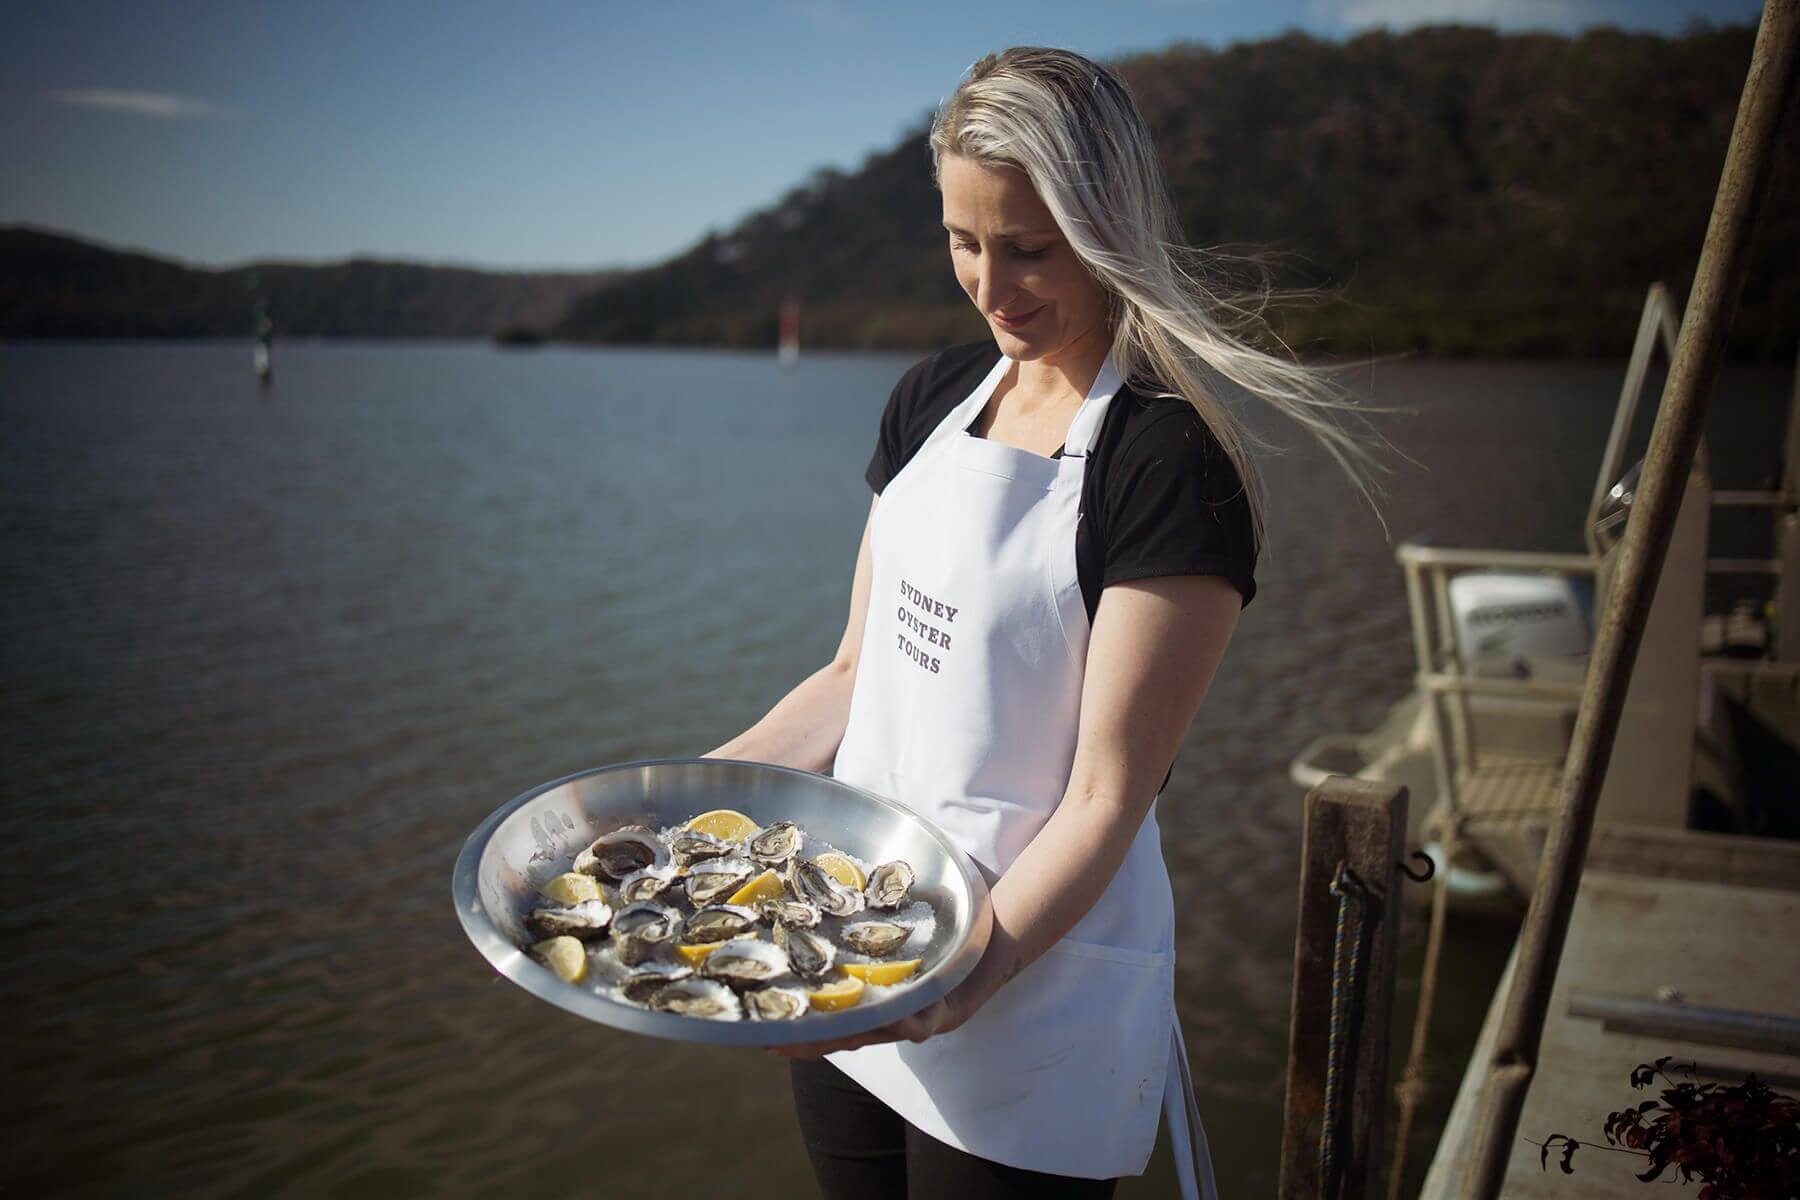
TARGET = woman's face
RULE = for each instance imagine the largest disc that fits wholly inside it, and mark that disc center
(1013, 261)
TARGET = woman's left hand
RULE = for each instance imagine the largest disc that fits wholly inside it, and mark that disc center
(941, 1017)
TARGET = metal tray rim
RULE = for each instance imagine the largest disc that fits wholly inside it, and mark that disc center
(517, 966)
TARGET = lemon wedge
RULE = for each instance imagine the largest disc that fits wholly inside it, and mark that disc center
(564, 955)
(693, 956)
(881, 974)
(726, 824)
(766, 886)
(839, 993)
(840, 868)
(573, 888)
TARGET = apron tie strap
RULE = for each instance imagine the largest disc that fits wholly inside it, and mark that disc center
(1187, 1139)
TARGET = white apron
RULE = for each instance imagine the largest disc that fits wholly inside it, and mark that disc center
(965, 708)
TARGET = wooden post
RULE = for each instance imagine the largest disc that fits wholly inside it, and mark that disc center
(1361, 826)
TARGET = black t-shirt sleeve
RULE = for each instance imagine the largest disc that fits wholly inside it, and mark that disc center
(900, 435)
(1175, 505)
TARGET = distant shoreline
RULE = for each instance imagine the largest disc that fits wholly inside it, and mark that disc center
(243, 343)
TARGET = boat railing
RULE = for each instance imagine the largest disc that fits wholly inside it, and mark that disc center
(1446, 683)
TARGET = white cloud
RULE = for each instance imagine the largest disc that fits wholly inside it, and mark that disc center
(162, 105)
(1564, 15)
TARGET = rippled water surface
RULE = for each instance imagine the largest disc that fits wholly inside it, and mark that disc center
(269, 656)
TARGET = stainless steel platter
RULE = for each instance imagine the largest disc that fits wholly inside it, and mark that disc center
(536, 836)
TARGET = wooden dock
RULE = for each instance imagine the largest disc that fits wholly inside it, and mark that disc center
(1708, 920)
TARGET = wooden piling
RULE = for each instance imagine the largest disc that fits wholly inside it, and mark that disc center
(1360, 826)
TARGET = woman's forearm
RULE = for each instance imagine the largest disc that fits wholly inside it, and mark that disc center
(1056, 879)
(804, 728)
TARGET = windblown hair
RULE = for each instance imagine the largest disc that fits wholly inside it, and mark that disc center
(1073, 128)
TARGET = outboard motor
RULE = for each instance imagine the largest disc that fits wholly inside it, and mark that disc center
(1520, 624)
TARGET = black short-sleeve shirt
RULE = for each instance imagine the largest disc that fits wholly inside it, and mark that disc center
(1159, 496)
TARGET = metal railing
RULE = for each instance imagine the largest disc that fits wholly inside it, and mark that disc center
(1445, 683)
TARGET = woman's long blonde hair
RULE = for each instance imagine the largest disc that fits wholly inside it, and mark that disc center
(1072, 127)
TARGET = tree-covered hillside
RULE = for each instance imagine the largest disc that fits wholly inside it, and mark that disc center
(1459, 191)
(57, 286)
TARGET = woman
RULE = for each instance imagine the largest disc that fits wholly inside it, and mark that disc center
(1059, 546)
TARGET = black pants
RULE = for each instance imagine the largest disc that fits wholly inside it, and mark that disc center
(863, 1150)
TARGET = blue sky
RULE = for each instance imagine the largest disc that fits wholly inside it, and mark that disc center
(553, 134)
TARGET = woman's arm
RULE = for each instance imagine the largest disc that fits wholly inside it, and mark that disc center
(804, 728)
(1151, 656)
(1154, 648)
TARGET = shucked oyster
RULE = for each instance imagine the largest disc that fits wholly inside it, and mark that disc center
(774, 846)
(586, 920)
(648, 978)
(888, 884)
(800, 914)
(718, 922)
(646, 884)
(811, 882)
(637, 929)
(617, 854)
(745, 962)
(717, 877)
(691, 846)
(875, 938)
(698, 998)
(775, 1003)
(809, 954)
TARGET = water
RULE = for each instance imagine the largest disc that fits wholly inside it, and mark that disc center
(270, 656)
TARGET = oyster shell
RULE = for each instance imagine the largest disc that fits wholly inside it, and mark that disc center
(716, 878)
(698, 998)
(811, 882)
(586, 920)
(809, 955)
(651, 977)
(775, 1003)
(691, 846)
(626, 849)
(875, 938)
(775, 845)
(745, 962)
(801, 914)
(718, 922)
(888, 884)
(637, 929)
(646, 884)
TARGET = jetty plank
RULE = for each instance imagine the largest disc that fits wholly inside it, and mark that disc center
(1710, 944)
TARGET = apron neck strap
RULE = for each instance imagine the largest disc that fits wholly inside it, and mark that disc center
(1085, 429)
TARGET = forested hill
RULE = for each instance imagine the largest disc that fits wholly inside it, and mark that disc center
(1463, 191)
(57, 286)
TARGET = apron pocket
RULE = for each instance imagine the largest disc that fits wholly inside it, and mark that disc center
(1117, 954)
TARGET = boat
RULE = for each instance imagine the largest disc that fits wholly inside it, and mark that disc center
(517, 337)
(1709, 737)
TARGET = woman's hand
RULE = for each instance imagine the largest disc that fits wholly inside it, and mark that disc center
(941, 1017)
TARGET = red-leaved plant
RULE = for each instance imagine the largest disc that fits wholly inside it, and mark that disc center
(1741, 1141)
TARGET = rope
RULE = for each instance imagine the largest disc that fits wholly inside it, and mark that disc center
(1411, 1089)
(1346, 963)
